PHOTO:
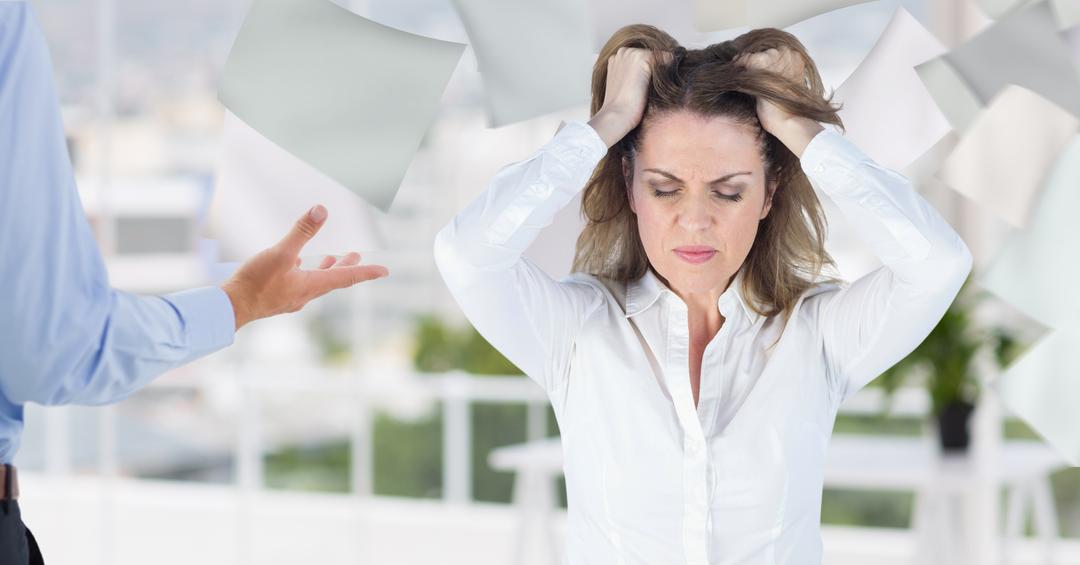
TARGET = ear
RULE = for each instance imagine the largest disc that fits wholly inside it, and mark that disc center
(628, 182)
(768, 200)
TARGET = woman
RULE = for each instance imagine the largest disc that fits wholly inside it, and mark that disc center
(696, 359)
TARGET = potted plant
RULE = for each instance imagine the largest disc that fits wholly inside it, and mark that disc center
(946, 358)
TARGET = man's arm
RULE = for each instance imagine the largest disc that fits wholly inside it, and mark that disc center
(66, 335)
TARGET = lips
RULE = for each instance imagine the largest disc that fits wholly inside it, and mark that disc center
(695, 254)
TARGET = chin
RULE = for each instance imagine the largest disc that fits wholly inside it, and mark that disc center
(693, 282)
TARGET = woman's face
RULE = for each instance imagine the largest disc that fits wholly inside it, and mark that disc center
(698, 192)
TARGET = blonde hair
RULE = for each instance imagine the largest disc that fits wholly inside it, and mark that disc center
(790, 243)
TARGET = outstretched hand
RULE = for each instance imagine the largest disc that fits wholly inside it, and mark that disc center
(272, 282)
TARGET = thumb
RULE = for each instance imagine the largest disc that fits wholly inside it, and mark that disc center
(303, 230)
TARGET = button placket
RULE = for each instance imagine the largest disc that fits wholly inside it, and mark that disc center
(695, 460)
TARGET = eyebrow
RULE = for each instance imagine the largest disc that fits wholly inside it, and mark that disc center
(720, 180)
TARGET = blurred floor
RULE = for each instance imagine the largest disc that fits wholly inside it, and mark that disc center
(167, 523)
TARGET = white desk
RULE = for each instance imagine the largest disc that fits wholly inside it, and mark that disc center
(941, 484)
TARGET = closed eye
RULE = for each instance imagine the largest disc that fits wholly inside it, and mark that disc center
(669, 193)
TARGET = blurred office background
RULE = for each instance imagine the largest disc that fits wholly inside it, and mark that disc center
(365, 429)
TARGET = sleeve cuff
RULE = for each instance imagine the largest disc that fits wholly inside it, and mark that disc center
(831, 159)
(209, 321)
(577, 143)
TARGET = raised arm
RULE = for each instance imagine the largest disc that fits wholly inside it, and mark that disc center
(529, 317)
(877, 320)
(869, 325)
(525, 314)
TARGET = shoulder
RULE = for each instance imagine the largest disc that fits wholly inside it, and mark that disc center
(822, 289)
(817, 295)
(603, 289)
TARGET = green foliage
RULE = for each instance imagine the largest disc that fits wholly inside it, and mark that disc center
(408, 461)
(440, 348)
(494, 425)
(408, 456)
(948, 351)
(323, 468)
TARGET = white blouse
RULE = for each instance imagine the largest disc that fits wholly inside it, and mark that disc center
(650, 478)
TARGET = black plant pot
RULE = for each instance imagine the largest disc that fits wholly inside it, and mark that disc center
(953, 428)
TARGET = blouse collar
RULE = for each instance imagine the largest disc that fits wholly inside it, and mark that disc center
(644, 292)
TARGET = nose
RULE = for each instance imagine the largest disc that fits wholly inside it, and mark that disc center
(695, 214)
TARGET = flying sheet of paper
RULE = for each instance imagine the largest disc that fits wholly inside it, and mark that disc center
(953, 96)
(349, 96)
(534, 57)
(1025, 49)
(676, 17)
(887, 112)
(260, 190)
(998, 8)
(1067, 12)
(840, 40)
(711, 15)
(923, 169)
(1042, 386)
(477, 153)
(1035, 274)
(1036, 270)
(782, 13)
(1005, 156)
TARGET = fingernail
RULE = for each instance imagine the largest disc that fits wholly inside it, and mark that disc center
(317, 213)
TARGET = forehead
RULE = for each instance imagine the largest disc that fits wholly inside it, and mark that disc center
(693, 144)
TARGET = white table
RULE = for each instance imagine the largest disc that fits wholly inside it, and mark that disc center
(941, 483)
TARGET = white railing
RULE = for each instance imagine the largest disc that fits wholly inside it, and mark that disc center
(456, 391)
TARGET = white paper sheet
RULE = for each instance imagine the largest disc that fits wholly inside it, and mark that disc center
(534, 57)
(782, 13)
(999, 8)
(953, 96)
(676, 17)
(1042, 388)
(1023, 48)
(887, 111)
(1037, 268)
(1003, 159)
(351, 97)
(260, 190)
(712, 15)
(1067, 13)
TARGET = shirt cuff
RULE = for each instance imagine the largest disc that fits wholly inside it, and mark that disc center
(577, 144)
(209, 320)
(831, 160)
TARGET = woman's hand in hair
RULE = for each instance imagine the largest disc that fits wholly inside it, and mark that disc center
(626, 90)
(793, 131)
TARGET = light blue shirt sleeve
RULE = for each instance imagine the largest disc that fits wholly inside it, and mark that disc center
(66, 335)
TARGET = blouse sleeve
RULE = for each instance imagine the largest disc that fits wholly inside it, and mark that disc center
(523, 312)
(872, 323)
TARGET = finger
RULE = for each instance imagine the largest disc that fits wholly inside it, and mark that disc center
(758, 59)
(327, 262)
(344, 277)
(351, 258)
(303, 230)
(298, 261)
